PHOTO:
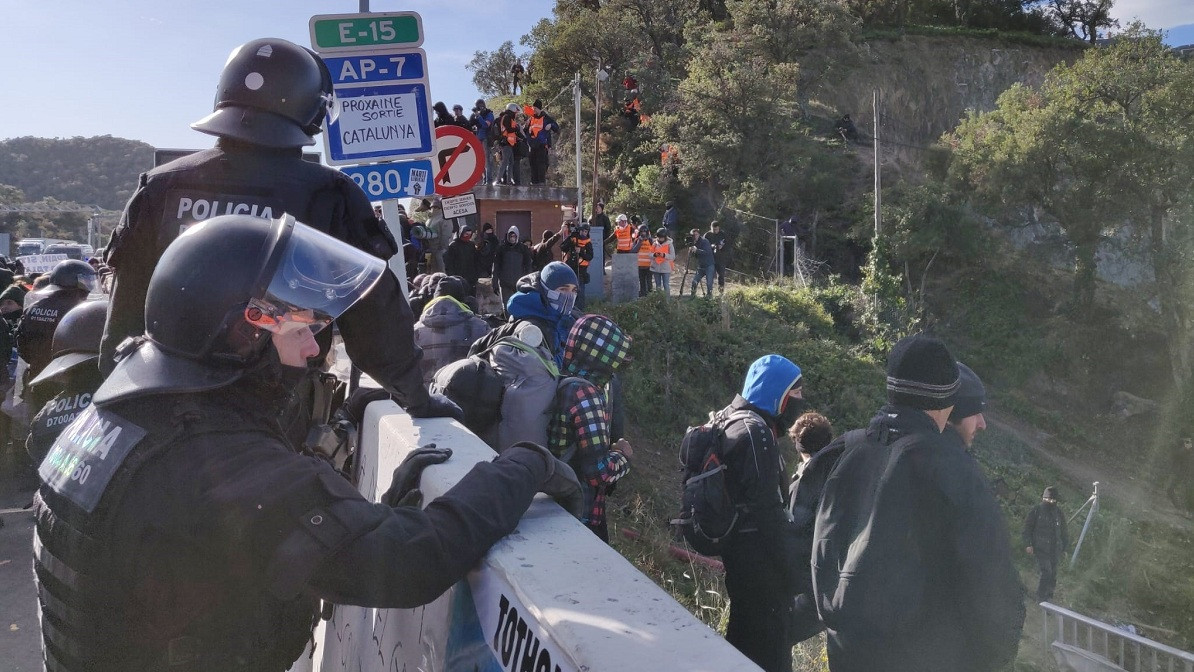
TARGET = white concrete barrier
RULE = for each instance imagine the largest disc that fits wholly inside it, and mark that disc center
(550, 597)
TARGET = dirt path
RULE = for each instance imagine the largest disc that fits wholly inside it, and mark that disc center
(1144, 501)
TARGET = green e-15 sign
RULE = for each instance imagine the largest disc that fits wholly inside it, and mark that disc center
(354, 32)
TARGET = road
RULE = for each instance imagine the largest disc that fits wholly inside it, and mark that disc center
(20, 636)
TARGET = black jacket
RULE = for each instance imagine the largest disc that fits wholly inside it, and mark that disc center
(35, 332)
(513, 261)
(1045, 530)
(461, 258)
(970, 609)
(235, 177)
(487, 252)
(542, 254)
(229, 537)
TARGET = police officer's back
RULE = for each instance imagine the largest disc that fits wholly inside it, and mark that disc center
(176, 527)
(271, 98)
(70, 282)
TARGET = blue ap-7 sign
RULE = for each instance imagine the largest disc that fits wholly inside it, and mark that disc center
(383, 107)
(402, 179)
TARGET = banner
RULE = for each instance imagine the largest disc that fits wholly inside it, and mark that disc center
(41, 263)
(491, 630)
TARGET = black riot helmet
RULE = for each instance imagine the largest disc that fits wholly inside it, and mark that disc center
(218, 292)
(74, 274)
(76, 341)
(272, 93)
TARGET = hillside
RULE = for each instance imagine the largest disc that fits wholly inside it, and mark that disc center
(90, 171)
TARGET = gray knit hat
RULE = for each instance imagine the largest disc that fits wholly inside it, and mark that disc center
(922, 373)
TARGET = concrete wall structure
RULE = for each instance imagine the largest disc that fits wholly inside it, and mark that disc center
(549, 597)
(545, 206)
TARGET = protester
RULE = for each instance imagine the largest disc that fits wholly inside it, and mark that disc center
(442, 116)
(577, 249)
(541, 253)
(547, 299)
(513, 261)
(645, 248)
(464, 260)
(759, 565)
(447, 327)
(721, 253)
(1046, 539)
(458, 118)
(662, 256)
(214, 542)
(487, 247)
(911, 553)
(482, 121)
(579, 432)
(671, 219)
(704, 258)
(512, 139)
(538, 129)
(966, 418)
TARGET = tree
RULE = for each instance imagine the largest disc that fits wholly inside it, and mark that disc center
(1082, 18)
(1104, 143)
(491, 70)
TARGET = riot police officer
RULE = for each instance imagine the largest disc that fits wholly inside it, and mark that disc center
(178, 530)
(272, 97)
(71, 281)
(64, 387)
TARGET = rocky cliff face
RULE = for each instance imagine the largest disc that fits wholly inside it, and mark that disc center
(926, 84)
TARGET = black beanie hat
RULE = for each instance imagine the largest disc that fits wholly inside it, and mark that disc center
(1050, 493)
(921, 373)
(538, 103)
(971, 397)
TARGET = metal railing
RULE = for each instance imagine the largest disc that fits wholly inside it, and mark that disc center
(1126, 649)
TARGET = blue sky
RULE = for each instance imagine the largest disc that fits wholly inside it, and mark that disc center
(146, 69)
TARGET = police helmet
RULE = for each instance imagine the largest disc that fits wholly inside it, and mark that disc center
(221, 289)
(76, 340)
(272, 93)
(74, 274)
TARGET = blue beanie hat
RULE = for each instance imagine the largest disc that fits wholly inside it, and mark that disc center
(556, 275)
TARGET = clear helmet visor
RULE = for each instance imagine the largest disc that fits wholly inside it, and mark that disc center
(315, 280)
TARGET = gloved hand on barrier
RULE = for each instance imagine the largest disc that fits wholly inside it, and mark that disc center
(404, 488)
(354, 405)
(437, 406)
(560, 483)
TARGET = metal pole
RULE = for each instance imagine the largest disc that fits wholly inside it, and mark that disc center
(779, 253)
(1094, 498)
(364, 6)
(596, 135)
(579, 177)
(878, 180)
(91, 231)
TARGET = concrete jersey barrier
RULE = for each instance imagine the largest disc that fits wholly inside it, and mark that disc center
(550, 597)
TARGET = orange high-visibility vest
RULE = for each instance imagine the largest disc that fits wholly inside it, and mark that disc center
(644, 253)
(580, 243)
(623, 233)
(535, 125)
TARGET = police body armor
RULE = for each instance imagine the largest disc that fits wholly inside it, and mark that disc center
(85, 627)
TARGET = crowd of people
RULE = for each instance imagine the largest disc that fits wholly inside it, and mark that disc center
(516, 133)
(196, 511)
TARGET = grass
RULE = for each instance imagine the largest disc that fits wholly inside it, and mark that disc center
(689, 358)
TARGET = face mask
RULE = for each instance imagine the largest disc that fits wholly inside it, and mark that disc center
(793, 410)
(561, 302)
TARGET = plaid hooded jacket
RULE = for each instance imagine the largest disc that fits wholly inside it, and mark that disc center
(594, 349)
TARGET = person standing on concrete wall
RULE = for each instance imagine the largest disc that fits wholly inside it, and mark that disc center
(1046, 539)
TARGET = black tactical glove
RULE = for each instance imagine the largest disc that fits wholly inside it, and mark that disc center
(354, 405)
(404, 488)
(437, 406)
(560, 483)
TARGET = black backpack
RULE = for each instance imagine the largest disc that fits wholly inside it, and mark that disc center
(708, 512)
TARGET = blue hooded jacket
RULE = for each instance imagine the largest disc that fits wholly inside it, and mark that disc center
(768, 381)
(530, 303)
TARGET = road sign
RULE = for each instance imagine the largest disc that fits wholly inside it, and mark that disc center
(402, 179)
(361, 32)
(383, 107)
(460, 206)
(459, 160)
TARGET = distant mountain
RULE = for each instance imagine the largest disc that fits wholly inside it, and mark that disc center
(91, 171)
(1179, 36)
